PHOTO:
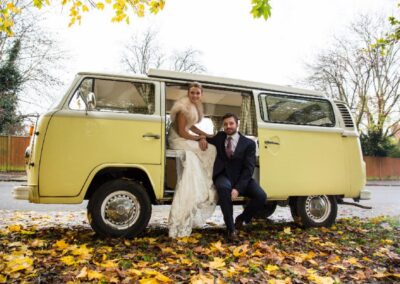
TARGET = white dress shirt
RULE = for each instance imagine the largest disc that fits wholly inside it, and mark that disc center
(235, 140)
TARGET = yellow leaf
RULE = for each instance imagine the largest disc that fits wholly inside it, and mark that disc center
(94, 275)
(148, 281)
(217, 246)
(188, 240)
(10, 6)
(287, 230)
(83, 273)
(240, 251)
(324, 280)
(150, 271)
(108, 1)
(104, 249)
(387, 242)
(13, 228)
(134, 271)
(202, 279)
(109, 264)
(100, 6)
(85, 8)
(61, 245)
(19, 263)
(217, 263)
(83, 252)
(168, 250)
(271, 268)
(161, 277)
(367, 259)
(3, 279)
(333, 258)
(352, 260)
(68, 260)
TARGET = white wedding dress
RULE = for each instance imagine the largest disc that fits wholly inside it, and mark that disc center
(195, 197)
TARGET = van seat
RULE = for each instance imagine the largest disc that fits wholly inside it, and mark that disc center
(170, 153)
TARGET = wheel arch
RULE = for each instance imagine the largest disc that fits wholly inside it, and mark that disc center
(111, 172)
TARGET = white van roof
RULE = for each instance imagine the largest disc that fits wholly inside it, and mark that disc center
(173, 75)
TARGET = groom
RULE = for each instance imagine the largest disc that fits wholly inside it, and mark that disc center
(232, 175)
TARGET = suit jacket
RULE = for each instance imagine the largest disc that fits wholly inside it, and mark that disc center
(240, 167)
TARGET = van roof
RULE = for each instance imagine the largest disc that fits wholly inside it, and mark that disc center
(165, 74)
(207, 79)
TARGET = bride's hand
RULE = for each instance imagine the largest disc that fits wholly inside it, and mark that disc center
(203, 144)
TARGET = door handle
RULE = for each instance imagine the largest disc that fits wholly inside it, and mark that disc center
(271, 142)
(150, 135)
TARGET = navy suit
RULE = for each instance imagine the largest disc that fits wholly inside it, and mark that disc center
(236, 172)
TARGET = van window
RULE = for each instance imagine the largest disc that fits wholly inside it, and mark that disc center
(115, 96)
(298, 110)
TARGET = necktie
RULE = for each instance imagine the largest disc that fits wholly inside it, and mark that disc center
(229, 149)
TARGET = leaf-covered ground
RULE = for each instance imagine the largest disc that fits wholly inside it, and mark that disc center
(354, 250)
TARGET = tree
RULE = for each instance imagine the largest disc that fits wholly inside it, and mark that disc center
(10, 83)
(390, 37)
(364, 77)
(143, 52)
(39, 58)
(122, 9)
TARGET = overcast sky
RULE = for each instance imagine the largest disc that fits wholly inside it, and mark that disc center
(233, 44)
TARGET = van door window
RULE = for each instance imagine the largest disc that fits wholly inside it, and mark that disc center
(115, 96)
(298, 110)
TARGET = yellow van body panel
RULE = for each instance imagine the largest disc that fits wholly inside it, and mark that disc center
(152, 171)
(76, 143)
(355, 165)
(300, 162)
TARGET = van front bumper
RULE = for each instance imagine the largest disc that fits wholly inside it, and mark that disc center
(23, 192)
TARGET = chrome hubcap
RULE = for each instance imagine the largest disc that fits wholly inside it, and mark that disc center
(318, 208)
(120, 210)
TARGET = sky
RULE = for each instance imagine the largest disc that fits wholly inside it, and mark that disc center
(232, 42)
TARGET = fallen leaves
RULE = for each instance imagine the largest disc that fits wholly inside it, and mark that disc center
(354, 250)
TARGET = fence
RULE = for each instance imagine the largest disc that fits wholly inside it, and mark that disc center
(382, 168)
(12, 150)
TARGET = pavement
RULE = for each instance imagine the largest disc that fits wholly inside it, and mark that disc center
(21, 177)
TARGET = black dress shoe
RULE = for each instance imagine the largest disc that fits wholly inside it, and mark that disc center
(239, 223)
(231, 235)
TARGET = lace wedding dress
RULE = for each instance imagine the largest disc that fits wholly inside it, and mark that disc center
(195, 198)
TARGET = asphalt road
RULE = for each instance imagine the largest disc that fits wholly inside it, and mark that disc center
(385, 201)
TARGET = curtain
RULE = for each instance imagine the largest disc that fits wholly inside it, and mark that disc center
(248, 120)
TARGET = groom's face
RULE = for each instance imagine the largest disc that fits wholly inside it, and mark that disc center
(230, 125)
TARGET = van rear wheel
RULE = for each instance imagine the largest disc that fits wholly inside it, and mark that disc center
(119, 208)
(316, 210)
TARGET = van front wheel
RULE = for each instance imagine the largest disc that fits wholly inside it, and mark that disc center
(317, 210)
(119, 208)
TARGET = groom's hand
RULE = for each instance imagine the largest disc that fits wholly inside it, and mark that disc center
(234, 193)
(203, 144)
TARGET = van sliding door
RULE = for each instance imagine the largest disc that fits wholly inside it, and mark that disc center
(301, 147)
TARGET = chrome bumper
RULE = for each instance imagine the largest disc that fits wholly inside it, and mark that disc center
(365, 194)
(23, 192)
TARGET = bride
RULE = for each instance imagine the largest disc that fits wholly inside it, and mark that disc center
(195, 197)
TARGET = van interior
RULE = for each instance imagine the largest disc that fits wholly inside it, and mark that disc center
(217, 101)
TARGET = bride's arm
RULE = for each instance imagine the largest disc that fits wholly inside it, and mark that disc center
(181, 129)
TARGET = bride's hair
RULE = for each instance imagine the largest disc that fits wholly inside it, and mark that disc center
(195, 85)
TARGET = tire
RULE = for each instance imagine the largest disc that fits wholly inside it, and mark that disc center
(316, 210)
(119, 208)
(268, 209)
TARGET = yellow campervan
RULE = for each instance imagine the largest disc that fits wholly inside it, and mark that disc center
(105, 141)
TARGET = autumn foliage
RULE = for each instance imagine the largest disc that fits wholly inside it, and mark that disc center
(354, 250)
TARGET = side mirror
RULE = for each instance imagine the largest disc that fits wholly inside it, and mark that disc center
(91, 101)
